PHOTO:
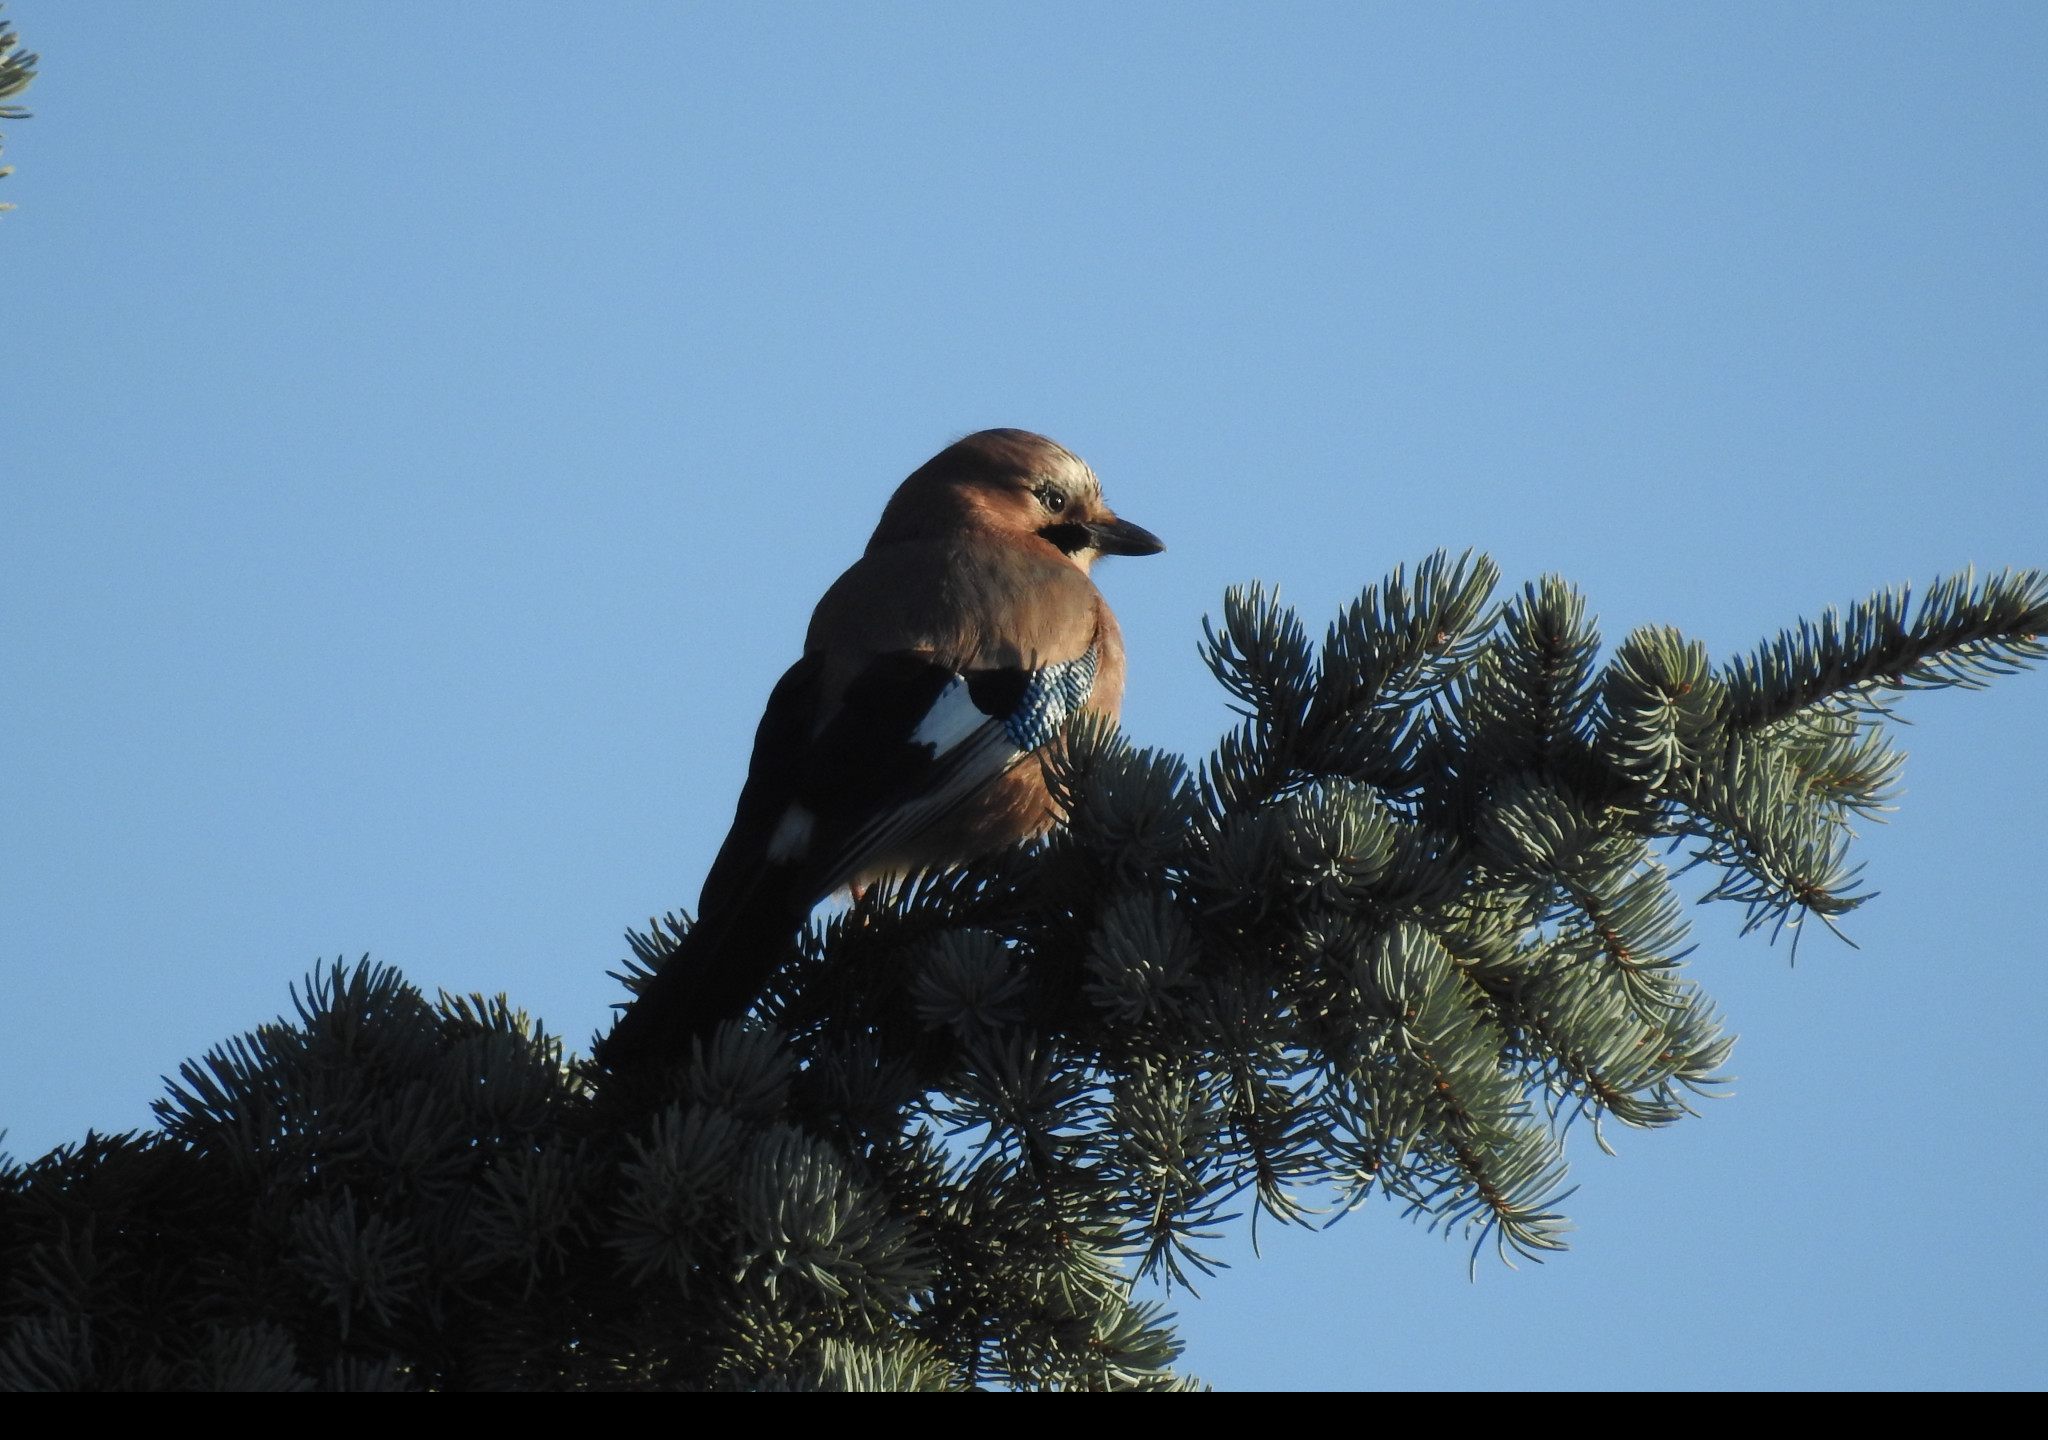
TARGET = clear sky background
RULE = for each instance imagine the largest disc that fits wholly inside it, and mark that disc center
(425, 429)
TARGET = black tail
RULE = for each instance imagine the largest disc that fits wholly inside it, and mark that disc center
(721, 969)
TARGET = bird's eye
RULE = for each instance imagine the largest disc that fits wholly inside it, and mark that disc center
(1052, 500)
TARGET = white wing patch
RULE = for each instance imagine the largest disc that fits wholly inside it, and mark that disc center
(952, 718)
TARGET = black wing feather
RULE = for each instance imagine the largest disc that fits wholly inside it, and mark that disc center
(870, 788)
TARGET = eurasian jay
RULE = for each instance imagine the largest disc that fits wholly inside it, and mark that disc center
(934, 671)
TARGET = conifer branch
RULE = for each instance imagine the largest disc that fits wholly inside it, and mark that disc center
(17, 70)
(1960, 634)
(1393, 937)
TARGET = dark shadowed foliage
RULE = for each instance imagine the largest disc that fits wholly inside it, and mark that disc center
(1411, 919)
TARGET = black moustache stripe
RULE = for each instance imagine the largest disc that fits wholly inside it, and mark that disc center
(1069, 537)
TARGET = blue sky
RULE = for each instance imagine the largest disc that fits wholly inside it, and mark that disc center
(424, 431)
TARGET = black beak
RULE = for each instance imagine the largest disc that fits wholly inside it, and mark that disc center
(1121, 537)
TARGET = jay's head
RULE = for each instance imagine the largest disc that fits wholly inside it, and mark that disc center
(1015, 485)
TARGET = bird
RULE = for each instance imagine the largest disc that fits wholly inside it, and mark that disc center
(934, 670)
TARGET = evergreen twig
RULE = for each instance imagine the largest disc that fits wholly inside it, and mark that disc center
(1396, 935)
